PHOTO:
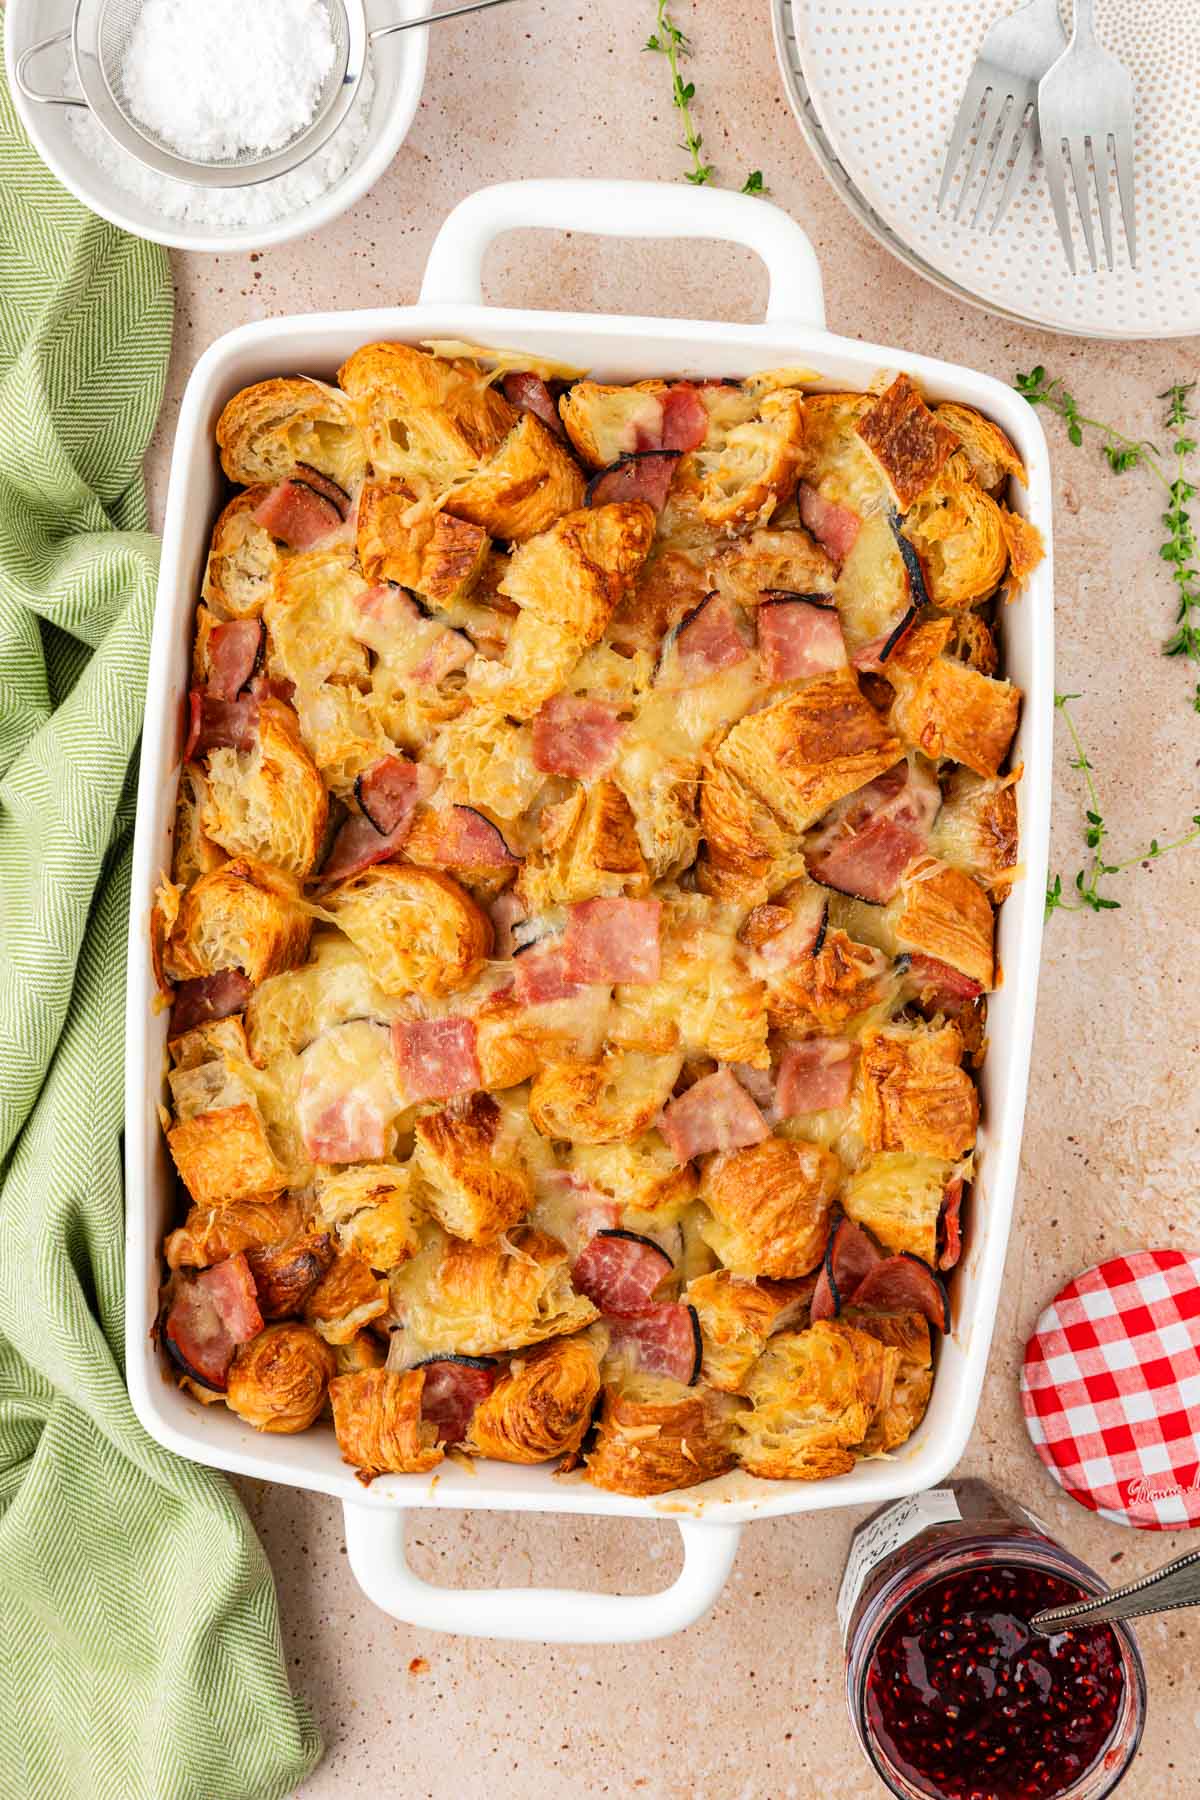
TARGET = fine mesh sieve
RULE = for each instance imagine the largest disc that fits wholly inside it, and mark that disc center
(99, 37)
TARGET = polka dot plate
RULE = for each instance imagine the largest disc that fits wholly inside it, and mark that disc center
(876, 85)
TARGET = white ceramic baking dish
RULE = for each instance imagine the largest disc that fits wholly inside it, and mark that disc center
(614, 348)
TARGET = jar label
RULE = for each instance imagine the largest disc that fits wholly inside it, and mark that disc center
(886, 1533)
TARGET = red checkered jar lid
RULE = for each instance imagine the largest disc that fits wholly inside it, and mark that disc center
(1111, 1389)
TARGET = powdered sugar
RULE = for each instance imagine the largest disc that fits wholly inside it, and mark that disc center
(263, 204)
(227, 76)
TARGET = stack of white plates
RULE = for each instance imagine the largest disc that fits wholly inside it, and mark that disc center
(875, 85)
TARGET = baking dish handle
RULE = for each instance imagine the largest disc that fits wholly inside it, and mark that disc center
(375, 1546)
(453, 274)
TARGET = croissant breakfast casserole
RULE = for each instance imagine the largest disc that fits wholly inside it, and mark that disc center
(592, 819)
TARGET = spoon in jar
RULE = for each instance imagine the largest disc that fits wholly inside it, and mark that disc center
(1175, 1585)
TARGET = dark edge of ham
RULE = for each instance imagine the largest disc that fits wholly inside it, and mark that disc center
(325, 486)
(506, 856)
(918, 588)
(449, 1411)
(636, 475)
(206, 998)
(950, 1224)
(902, 630)
(926, 1291)
(385, 805)
(235, 651)
(355, 846)
(529, 393)
(698, 1340)
(634, 1237)
(836, 1288)
(215, 724)
(782, 596)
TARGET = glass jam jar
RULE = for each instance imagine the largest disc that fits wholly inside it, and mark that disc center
(951, 1695)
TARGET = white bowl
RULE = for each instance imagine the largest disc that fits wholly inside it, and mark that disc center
(399, 68)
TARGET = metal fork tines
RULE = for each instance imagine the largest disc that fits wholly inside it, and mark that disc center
(997, 121)
(1085, 108)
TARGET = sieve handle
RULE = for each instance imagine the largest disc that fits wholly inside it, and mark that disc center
(32, 93)
(455, 12)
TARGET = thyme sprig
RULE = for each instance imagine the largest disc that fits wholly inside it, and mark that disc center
(1088, 884)
(1178, 548)
(669, 41)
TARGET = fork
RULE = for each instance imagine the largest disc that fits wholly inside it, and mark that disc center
(1013, 57)
(1086, 101)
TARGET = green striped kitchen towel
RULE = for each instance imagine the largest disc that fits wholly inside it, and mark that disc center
(140, 1654)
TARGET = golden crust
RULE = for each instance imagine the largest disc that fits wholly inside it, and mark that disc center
(427, 419)
(453, 560)
(541, 1407)
(914, 1095)
(771, 559)
(194, 853)
(1025, 545)
(754, 466)
(958, 532)
(976, 830)
(417, 928)
(588, 846)
(642, 1174)
(346, 1298)
(377, 1419)
(989, 451)
(834, 459)
(805, 752)
(270, 803)
(737, 1316)
(244, 915)
(476, 1182)
(525, 487)
(279, 1380)
(910, 444)
(243, 559)
(946, 709)
(573, 575)
(285, 1274)
(392, 532)
(818, 995)
(484, 1299)
(946, 914)
(384, 1232)
(898, 1197)
(211, 1234)
(212, 1041)
(908, 1334)
(813, 1395)
(610, 1101)
(655, 1435)
(770, 1205)
(669, 584)
(362, 1352)
(265, 430)
(538, 660)
(225, 1155)
(749, 854)
(604, 421)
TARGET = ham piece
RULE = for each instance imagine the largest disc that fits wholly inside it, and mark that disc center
(684, 418)
(798, 638)
(575, 736)
(715, 1114)
(542, 974)
(642, 475)
(707, 641)
(613, 940)
(215, 724)
(814, 1075)
(453, 1388)
(296, 514)
(619, 1271)
(835, 527)
(436, 1057)
(233, 652)
(865, 843)
(208, 997)
(208, 1316)
(664, 1340)
(951, 1224)
(529, 393)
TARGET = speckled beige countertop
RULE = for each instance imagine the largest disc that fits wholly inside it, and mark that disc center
(748, 1704)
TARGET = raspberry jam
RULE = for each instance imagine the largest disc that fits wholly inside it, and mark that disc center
(952, 1695)
(970, 1704)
